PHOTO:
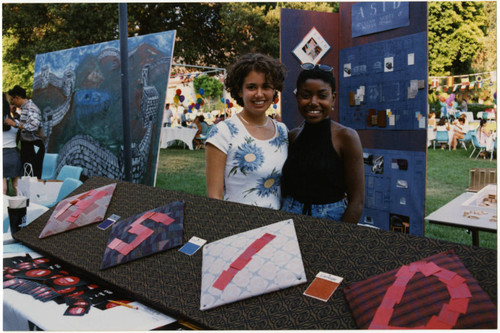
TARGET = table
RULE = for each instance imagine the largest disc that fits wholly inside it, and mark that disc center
(19, 310)
(185, 134)
(452, 214)
(170, 282)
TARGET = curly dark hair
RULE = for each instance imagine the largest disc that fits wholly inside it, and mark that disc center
(274, 70)
(316, 73)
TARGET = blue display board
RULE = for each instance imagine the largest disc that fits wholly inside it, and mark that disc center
(385, 76)
(382, 93)
(394, 195)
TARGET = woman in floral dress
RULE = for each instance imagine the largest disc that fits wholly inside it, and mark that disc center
(245, 153)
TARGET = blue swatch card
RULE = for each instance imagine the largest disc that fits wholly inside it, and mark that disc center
(192, 246)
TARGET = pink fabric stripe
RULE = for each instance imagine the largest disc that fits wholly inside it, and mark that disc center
(226, 276)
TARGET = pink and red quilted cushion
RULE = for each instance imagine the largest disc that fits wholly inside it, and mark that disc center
(434, 293)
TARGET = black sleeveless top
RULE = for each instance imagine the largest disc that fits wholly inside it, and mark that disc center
(313, 172)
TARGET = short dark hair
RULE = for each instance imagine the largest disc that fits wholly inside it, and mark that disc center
(17, 91)
(273, 69)
(316, 73)
(167, 105)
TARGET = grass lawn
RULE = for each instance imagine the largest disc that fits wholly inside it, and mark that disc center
(447, 177)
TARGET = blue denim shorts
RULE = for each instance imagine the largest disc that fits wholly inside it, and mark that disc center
(333, 211)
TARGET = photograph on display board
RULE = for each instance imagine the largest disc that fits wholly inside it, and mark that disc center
(79, 93)
(312, 48)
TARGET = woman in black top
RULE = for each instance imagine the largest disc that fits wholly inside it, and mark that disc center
(323, 175)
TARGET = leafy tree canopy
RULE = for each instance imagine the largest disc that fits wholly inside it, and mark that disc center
(214, 34)
(456, 32)
(211, 86)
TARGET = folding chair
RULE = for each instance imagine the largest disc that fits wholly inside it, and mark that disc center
(475, 143)
(441, 137)
(49, 166)
(69, 171)
(69, 185)
(467, 138)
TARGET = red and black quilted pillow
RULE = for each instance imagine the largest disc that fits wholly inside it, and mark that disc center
(435, 293)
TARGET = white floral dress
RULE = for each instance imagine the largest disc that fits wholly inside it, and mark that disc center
(253, 167)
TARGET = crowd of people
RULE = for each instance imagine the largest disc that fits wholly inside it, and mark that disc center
(22, 127)
(458, 129)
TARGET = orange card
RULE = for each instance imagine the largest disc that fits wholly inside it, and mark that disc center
(323, 286)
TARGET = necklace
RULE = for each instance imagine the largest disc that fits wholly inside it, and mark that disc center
(246, 122)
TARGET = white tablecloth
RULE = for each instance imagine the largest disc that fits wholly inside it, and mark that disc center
(185, 134)
(19, 308)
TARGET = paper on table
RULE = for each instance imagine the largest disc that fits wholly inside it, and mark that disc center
(323, 286)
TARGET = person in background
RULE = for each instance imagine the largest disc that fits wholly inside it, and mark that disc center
(442, 125)
(432, 120)
(202, 126)
(184, 118)
(219, 118)
(485, 137)
(11, 162)
(323, 175)
(168, 115)
(30, 126)
(459, 130)
(463, 106)
(245, 153)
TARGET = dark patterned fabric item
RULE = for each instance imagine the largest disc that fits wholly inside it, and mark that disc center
(144, 234)
(426, 298)
(170, 281)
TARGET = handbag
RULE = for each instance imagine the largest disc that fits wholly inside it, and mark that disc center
(37, 190)
(30, 136)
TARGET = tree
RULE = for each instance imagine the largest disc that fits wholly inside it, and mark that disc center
(215, 34)
(486, 60)
(207, 33)
(456, 32)
(34, 28)
(198, 40)
(211, 86)
(254, 27)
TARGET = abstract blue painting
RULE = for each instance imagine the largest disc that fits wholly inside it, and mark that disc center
(79, 93)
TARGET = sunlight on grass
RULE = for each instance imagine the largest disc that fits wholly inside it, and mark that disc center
(447, 178)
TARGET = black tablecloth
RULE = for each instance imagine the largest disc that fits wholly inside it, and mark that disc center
(170, 281)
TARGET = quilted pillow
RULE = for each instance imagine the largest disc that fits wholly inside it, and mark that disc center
(434, 293)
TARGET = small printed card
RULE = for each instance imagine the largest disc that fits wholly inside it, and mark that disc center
(193, 245)
(323, 286)
(108, 222)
